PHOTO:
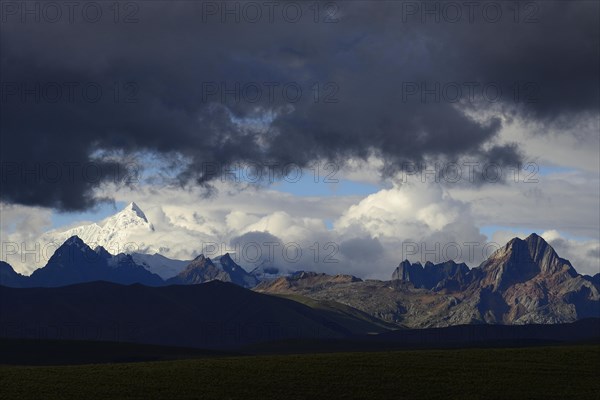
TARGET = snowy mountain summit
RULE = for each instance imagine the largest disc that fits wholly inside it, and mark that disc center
(121, 232)
(130, 217)
(129, 231)
(134, 208)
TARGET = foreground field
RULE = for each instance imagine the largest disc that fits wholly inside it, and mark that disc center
(526, 373)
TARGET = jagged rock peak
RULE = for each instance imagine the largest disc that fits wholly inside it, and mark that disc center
(533, 249)
(226, 258)
(514, 248)
(200, 258)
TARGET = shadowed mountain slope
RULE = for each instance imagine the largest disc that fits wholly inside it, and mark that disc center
(210, 315)
(75, 262)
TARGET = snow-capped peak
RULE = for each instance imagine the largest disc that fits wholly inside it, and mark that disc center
(122, 232)
(132, 207)
(132, 214)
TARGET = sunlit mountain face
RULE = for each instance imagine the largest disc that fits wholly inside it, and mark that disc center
(293, 176)
(523, 282)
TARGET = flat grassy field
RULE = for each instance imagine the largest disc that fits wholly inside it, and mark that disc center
(561, 372)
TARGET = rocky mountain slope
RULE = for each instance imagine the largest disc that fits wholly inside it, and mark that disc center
(203, 269)
(432, 276)
(523, 282)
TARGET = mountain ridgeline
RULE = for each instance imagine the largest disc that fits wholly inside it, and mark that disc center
(524, 282)
(210, 315)
(521, 283)
(75, 262)
(432, 276)
(223, 268)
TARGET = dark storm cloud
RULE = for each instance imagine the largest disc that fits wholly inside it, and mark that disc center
(161, 82)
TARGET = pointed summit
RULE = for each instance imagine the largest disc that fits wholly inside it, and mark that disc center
(203, 269)
(74, 241)
(521, 260)
(409, 273)
(531, 250)
(534, 237)
(73, 257)
(132, 207)
(75, 262)
(113, 233)
(131, 217)
(199, 258)
(543, 254)
(102, 252)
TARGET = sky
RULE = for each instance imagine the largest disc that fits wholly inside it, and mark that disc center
(378, 131)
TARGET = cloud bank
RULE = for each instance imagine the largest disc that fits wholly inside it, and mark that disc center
(179, 82)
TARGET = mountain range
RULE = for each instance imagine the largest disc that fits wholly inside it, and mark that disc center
(75, 262)
(129, 231)
(223, 268)
(522, 283)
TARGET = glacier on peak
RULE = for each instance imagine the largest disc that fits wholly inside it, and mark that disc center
(114, 233)
(130, 231)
